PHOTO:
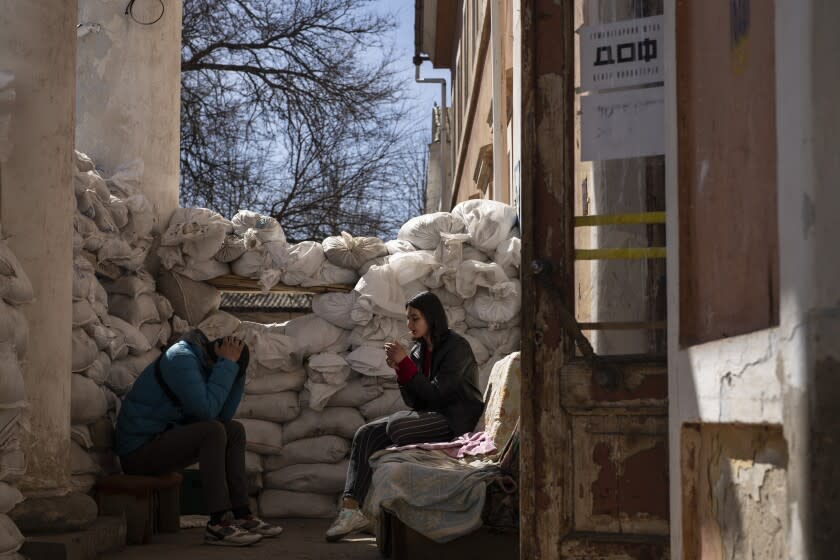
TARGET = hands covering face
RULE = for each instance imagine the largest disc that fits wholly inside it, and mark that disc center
(229, 348)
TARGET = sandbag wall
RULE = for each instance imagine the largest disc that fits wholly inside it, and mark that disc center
(314, 380)
(120, 321)
(15, 291)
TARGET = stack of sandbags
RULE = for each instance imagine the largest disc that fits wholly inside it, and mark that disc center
(120, 321)
(15, 291)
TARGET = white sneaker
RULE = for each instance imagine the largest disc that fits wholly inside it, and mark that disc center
(254, 524)
(226, 534)
(348, 521)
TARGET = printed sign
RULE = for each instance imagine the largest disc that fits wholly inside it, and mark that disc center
(621, 54)
(623, 124)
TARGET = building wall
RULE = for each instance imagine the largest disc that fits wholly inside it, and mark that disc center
(724, 390)
(128, 94)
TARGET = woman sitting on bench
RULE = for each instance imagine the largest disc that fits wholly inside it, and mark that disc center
(179, 410)
(437, 380)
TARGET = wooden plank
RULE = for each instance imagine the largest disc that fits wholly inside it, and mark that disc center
(623, 325)
(587, 547)
(620, 219)
(547, 173)
(238, 284)
(644, 386)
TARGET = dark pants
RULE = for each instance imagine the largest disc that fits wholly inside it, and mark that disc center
(219, 449)
(400, 428)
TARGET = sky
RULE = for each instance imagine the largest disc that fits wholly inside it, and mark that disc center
(425, 94)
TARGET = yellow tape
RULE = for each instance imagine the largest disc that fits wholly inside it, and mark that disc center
(617, 254)
(620, 219)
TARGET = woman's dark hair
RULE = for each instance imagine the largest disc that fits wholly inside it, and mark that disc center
(430, 306)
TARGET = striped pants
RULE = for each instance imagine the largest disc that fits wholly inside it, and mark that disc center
(400, 428)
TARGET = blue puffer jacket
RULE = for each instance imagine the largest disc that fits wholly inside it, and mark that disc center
(207, 392)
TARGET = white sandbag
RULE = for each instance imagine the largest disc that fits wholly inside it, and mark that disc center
(281, 503)
(164, 307)
(309, 451)
(264, 235)
(474, 322)
(269, 347)
(118, 209)
(191, 301)
(249, 265)
(313, 335)
(330, 273)
(276, 382)
(219, 324)
(15, 286)
(83, 162)
(263, 437)
(132, 285)
(125, 180)
(380, 293)
(202, 270)
(409, 267)
(88, 402)
(102, 214)
(473, 274)
(424, 231)
(10, 537)
(134, 339)
(98, 370)
(80, 434)
(123, 373)
(305, 260)
(179, 327)
(399, 246)
(12, 464)
(498, 304)
(80, 461)
(316, 477)
(171, 257)
(327, 373)
(488, 222)
(142, 219)
(83, 313)
(84, 350)
(354, 394)
(83, 279)
(352, 252)
(508, 256)
(14, 328)
(380, 330)
(369, 360)
(233, 247)
(134, 310)
(497, 341)
(9, 497)
(274, 407)
(388, 403)
(200, 232)
(339, 421)
(378, 261)
(335, 308)
(157, 334)
(480, 351)
(82, 483)
(253, 462)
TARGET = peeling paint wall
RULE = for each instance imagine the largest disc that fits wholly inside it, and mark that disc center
(785, 376)
(128, 92)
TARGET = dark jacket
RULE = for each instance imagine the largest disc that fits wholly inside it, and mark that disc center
(207, 391)
(450, 388)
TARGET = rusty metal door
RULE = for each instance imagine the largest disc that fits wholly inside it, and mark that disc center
(594, 457)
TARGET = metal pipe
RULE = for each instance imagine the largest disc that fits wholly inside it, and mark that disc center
(443, 205)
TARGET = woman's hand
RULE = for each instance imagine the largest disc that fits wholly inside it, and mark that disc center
(229, 348)
(394, 353)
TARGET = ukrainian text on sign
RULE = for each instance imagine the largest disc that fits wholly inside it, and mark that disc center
(621, 54)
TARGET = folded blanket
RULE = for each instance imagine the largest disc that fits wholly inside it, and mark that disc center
(469, 444)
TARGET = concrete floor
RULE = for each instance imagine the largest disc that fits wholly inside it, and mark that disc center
(302, 539)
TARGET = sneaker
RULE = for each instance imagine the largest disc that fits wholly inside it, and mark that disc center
(256, 525)
(348, 521)
(227, 534)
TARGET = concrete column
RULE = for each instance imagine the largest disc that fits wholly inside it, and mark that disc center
(128, 83)
(38, 44)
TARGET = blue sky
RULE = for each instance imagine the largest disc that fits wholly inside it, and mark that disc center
(425, 94)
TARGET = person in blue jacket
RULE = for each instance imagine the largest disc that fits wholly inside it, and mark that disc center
(180, 410)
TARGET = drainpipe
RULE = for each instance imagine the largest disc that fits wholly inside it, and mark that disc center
(444, 187)
(498, 97)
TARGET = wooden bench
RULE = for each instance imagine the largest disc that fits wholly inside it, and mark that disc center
(151, 504)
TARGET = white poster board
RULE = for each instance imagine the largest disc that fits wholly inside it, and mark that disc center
(623, 124)
(621, 54)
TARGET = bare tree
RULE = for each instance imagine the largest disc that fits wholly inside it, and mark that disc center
(291, 108)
